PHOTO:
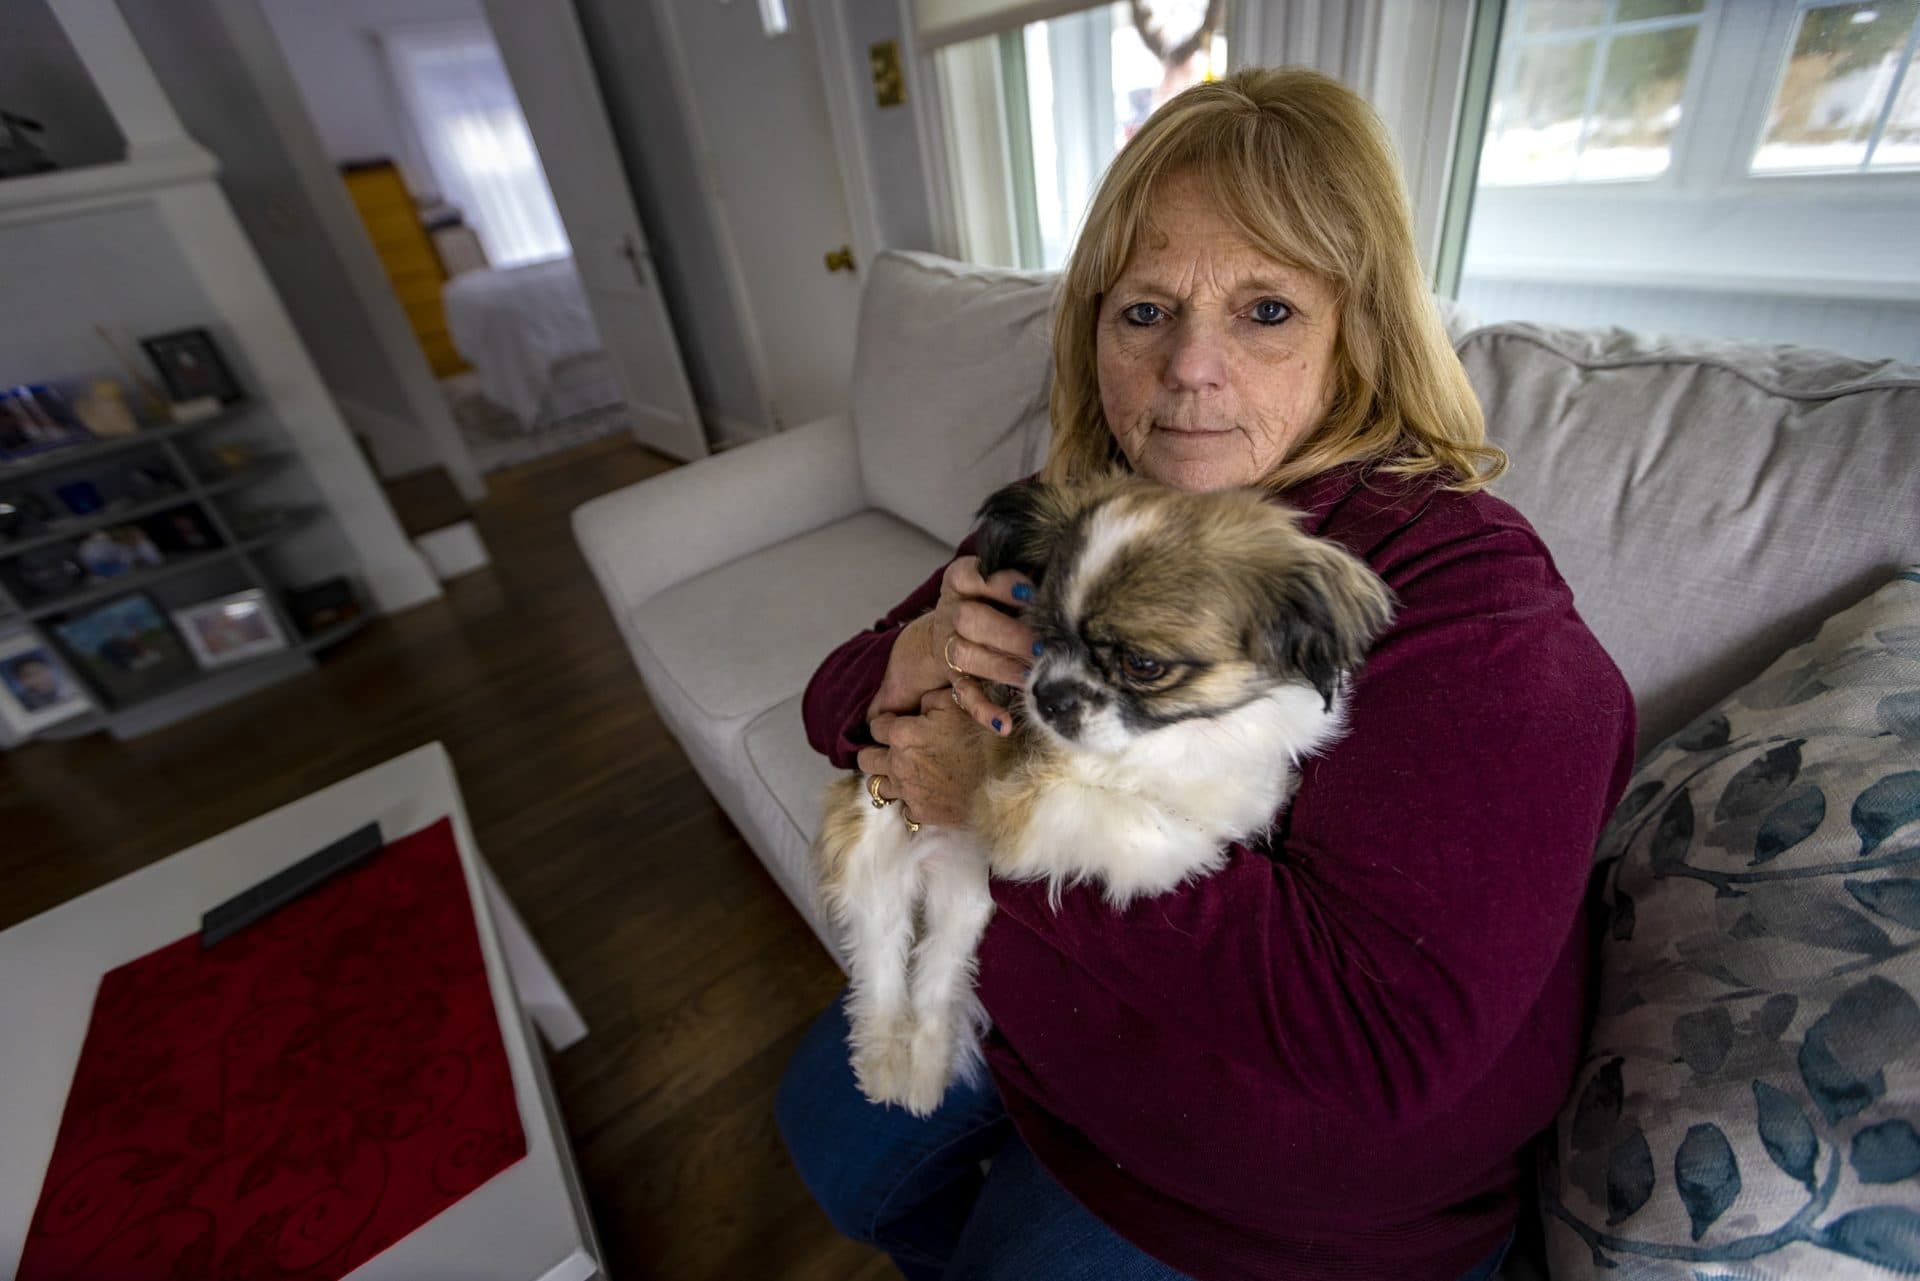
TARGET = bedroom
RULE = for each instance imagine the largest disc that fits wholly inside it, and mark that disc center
(413, 104)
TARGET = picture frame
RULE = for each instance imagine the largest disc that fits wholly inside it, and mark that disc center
(191, 367)
(36, 689)
(125, 646)
(231, 628)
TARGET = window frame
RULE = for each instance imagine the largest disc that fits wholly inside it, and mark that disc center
(1606, 31)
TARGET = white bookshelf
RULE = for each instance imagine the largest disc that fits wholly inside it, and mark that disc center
(148, 244)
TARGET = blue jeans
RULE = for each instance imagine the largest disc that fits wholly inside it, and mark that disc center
(913, 1186)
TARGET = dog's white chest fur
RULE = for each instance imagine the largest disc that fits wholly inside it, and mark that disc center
(1161, 810)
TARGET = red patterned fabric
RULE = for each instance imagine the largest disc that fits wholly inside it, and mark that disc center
(290, 1102)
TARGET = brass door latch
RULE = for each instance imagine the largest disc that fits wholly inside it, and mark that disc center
(840, 259)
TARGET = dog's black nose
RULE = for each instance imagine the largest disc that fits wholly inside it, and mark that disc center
(1057, 700)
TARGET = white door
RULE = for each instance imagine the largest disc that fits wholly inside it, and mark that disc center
(546, 58)
(758, 112)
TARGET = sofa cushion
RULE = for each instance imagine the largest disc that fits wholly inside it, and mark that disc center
(949, 386)
(1708, 502)
(793, 776)
(787, 766)
(740, 638)
(1751, 1090)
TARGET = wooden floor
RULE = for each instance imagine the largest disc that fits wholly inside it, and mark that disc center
(694, 974)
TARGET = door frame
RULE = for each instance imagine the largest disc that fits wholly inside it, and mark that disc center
(680, 82)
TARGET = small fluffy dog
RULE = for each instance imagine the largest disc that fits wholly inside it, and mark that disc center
(1195, 650)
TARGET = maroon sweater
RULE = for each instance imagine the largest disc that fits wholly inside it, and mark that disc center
(1327, 1059)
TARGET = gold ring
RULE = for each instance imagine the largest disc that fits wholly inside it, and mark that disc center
(873, 789)
(956, 697)
(947, 653)
(911, 825)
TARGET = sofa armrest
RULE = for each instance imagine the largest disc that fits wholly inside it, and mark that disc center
(645, 538)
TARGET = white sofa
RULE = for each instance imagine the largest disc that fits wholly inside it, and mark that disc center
(1710, 504)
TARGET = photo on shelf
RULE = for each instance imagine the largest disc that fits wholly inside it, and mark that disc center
(35, 418)
(125, 646)
(119, 549)
(191, 366)
(182, 531)
(230, 629)
(36, 689)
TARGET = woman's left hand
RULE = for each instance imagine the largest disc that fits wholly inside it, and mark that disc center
(932, 762)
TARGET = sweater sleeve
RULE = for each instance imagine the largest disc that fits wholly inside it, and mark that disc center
(1380, 951)
(834, 708)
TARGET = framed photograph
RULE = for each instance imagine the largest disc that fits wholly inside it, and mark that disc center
(231, 628)
(36, 689)
(191, 366)
(126, 647)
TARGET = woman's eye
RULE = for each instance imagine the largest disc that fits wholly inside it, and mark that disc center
(1142, 313)
(1141, 668)
(1271, 311)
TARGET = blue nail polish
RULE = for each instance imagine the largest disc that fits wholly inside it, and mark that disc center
(1038, 649)
(996, 724)
(1022, 592)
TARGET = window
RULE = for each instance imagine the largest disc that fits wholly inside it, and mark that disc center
(1765, 166)
(1589, 90)
(1848, 97)
(463, 108)
(1067, 93)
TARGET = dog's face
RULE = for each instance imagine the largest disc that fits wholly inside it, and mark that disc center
(1156, 607)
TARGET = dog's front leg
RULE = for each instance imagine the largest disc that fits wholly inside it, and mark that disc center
(948, 1017)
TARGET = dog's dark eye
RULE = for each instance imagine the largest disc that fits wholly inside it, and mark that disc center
(1138, 667)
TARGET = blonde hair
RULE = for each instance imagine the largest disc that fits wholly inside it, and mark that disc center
(1301, 166)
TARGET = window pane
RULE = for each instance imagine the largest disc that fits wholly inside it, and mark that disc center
(1561, 15)
(1843, 64)
(1534, 126)
(1900, 143)
(1631, 133)
(1090, 81)
(1634, 10)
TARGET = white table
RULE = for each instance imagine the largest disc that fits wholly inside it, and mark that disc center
(527, 1223)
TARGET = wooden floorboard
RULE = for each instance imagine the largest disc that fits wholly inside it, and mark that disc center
(694, 973)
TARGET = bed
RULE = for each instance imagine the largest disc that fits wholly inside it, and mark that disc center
(531, 340)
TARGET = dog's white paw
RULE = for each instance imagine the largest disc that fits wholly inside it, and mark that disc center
(883, 1065)
(931, 1070)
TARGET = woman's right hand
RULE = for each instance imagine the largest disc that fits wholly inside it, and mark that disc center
(984, 643)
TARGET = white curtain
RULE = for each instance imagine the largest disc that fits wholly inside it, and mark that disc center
(468, 120)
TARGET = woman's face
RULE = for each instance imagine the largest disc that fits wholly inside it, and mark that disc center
(1214, 360)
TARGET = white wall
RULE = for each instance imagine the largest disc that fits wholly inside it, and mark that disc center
(332, 51)
(904, 218)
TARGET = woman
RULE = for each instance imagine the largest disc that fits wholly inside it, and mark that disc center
(1327, 1059)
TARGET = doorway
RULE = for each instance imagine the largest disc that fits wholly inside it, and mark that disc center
(415, 105)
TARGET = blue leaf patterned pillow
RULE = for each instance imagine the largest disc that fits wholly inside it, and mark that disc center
(1749, 1103)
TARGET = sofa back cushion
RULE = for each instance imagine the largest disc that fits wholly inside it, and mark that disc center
(949, 386)
(1710, 503)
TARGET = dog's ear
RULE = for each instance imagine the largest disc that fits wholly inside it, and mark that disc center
(1324, 607)
(1019, 527)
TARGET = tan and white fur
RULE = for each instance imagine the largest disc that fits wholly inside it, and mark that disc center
(1196, 649)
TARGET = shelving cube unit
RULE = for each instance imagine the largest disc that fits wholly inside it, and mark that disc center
(147, 244)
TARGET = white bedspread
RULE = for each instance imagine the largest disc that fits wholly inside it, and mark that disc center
(515, 324)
